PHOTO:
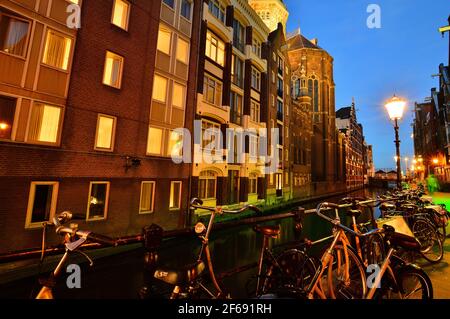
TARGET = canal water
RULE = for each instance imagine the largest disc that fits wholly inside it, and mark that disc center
(123, 276)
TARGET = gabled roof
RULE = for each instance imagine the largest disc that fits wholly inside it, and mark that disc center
(344, 112)
(298, 41)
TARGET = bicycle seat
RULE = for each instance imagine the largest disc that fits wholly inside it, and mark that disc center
(387, 206)
(404, 241)
(269, 231)
(182, 276)
(353, 213)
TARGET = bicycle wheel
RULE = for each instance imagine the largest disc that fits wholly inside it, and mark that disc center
(413, 283)
(430, 241)
(290, 275)
(340, 286)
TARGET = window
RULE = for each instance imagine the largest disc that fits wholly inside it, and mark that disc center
(147, 200)
(164, 40)
(121, 14)
(154, 141)
(273, 77)
(254, 111)
(44, 123)
(57, 50)
(159, 88)
(41, 203)
(212, 128)
(104, 136)
(253, 184)
(256, 79)
(207, 183)
(13, 34)
(182, 51)
(175, 195)
(98, 200)
(112, 74)
(215, 48)
(178, 95)
(7, 112)
(175, 144)
(236, 108)
(238, 35)
(186, 8)
(253, 147)
(279, 181)
(217, 10)
(256, 47)
(170, 3)
(237, 71)
(212, 91)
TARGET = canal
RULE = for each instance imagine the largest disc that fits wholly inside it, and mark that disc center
(123, 275)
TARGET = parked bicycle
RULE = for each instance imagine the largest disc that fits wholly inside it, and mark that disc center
(74, 238)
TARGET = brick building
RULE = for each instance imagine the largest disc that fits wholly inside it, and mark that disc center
(90, 114)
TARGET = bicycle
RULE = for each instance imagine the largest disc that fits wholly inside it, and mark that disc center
(74, 238)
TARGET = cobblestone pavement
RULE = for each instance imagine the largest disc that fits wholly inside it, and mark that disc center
(440, 274)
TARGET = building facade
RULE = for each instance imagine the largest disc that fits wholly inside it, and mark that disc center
(312, 72)
(347, 123)
(369, 166)
(90, 114)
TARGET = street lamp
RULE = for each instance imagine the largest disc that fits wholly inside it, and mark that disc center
(395, 107)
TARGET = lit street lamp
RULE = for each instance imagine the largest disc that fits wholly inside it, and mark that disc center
(395, 108)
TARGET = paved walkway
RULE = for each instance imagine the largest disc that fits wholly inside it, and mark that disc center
(440, 274)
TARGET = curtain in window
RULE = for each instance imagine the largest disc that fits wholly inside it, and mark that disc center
(44, 123)
(120, 14)
(16, 35)
(57, 50)
(146, 197)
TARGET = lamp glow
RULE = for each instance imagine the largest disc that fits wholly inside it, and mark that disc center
(395, 107)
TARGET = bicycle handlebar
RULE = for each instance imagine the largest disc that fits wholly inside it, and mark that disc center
(198, 204)
(101, 239)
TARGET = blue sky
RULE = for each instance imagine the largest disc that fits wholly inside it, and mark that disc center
(373, 64)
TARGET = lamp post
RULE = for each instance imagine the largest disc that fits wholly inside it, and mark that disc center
(395, 107)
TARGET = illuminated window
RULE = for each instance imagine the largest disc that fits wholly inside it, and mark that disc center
(121, 13)
(207, 183)
(75, 1)
(182, 51)
(57, 50)
(105, 133)
(13, 34)
(98, 201)
(44, 123)
(147, 200)
(212, 91)
(237, 71)
(212, 129)
(160, 88)
(178, 95)
(253, 184)
(154, 141)
(186, 9)
(215, 48)
(7, 112)
(164, 40)
(41, 203)
(112, 74)
(175, 144)
(175, 195)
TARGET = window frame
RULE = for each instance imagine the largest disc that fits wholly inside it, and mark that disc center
(191, 12)
(25, 53)
(153, 88)
(31, 198)
(128, 15)
(208, 178)
(113, 133)
(152, 209)
(122, 64)
(220, 43)
(219, 6)
(168, 6)
(255, 105)
(217, 98)
(163, 134)
(253, 177)
(179, 196)
(15, 116)
(60, 124)
(72, 45)
(105, 210)
(257, 74)
(187, 51)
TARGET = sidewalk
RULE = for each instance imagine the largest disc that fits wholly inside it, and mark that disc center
(440, 274)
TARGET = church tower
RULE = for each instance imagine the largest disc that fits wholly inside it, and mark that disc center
(271, 12)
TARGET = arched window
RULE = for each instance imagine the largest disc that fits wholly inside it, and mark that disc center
(313, 91)
(253, 184)
(207, 185)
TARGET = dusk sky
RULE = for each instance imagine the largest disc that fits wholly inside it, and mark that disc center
(373, 64)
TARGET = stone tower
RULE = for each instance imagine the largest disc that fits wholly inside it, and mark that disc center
(271, 12)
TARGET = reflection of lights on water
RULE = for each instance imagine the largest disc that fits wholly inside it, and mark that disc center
(3, 126)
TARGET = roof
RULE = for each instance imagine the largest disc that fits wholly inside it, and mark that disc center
(344, 112)
(298, 41)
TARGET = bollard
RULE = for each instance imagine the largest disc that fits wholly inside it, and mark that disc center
(153, 236)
